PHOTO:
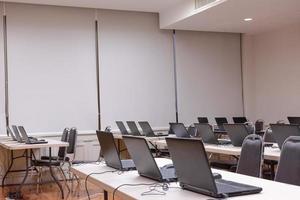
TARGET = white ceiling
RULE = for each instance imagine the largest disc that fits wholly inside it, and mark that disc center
(228, 16)
(133, 5)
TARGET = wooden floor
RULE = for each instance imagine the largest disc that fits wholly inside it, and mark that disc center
(51, 192)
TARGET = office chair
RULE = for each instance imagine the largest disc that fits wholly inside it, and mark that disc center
(192, 131)
(202, 120)
(289, 163)
(251, 156)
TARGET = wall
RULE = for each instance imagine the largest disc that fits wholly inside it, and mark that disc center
(209, 75)
(273, 76)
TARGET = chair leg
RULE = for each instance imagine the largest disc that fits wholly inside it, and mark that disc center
(65, 178)
(39, 180)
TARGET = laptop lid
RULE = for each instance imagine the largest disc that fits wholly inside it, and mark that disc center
(206, 133)
(24, 134)
(191, 163)
(294, 120)
(133, 128)
(142, 157)
(147, 130)
(11, 134)
(179, 130)
(109, 149)
(202, 120)
(16, 132)
(237, 133)
(282, 131)
(239, 120)
(122, 128)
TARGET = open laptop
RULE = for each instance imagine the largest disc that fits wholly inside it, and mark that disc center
(144, 161)
(11, 134)
(294, 120)
(220, 121)
(237, 133)
(179, 130)
(30, 140)
(147, 130)
(202, 120)
(133, 128)
(239, 120)
(110, 152)
(122, 128)
(282, 131)
(17, 134)
(194, 172)
(208, 136)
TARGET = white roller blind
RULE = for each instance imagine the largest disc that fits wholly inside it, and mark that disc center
(136, 67)
(209, 75)
(52, 79)
(2, 76)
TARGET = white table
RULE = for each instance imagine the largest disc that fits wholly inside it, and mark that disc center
(109, 181)
(12, 146)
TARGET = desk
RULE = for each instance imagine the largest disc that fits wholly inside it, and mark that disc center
(7, 143)
(270, 153)
(110, 181)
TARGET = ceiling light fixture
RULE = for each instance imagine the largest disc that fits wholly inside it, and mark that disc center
(248, 19)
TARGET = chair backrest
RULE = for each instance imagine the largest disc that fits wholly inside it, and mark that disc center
(192, 131)
(251, 156)
(259, 125)
(289, 163)
(72, 139)
(237, 133)
(202, 120)
(64, 138)
(268, 137)
(122, 128)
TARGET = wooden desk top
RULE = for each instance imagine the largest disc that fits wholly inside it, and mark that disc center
(110, 181)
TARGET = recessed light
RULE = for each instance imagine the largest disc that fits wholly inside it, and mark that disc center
(248, 19)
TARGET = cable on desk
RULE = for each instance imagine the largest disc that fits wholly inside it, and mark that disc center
(132, 185)
(96, 173)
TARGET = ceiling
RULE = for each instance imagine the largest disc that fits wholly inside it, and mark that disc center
(133, 5)
(229, 16)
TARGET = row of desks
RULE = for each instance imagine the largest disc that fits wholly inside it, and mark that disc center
(110, 181)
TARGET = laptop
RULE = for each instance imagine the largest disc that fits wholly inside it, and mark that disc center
(202, 120)
(188, 155)
(237, 133)
(294, 120)
(147, 130)
(110, 152)
(282, 131)
(30, 140)
(11, 134)
(220, 121)
(133, 128)
(179, 130)
(144, 161)
(122, 128)
(17, 134)
(239, 120)
(208, 136)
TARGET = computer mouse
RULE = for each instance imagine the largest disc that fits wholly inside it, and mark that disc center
(217, 176)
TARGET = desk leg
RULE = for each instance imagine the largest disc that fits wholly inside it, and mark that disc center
(53, 176)
(105, 195)
(9, 168)
(26, 171)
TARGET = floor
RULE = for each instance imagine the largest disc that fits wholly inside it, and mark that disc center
(51, 192)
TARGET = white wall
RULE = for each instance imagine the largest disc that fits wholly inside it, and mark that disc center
(52, 81)
(273, 77)
(2, 77)
(209, 75)
(136, 68)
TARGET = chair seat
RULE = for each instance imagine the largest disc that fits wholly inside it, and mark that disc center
(42, 163)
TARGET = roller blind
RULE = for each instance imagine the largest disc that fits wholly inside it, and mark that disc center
(52, 73)
(136, 68)
(209, 75)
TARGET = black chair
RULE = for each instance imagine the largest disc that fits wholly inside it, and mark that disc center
(269, 172)
(122, 128)
(289, 163)
(251, 156)
(202, 120)
(192, 131)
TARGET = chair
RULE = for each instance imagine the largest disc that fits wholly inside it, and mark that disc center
(251, 156)
(268, 138)
(289, 163)
(202, 120)
(192, 131)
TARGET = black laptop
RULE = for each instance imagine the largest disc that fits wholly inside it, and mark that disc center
(239, 120)
(133, 128)
(17, 134)
(208, 136)
(147, 130)
(110, 152)
(122, 128)
(282, 131)
(30, 140)
(220, 121)
(179, 130)
(202, 120)
(237, 133)
(11, 134)
(144, 161)
(294, 120)
(194, 172)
